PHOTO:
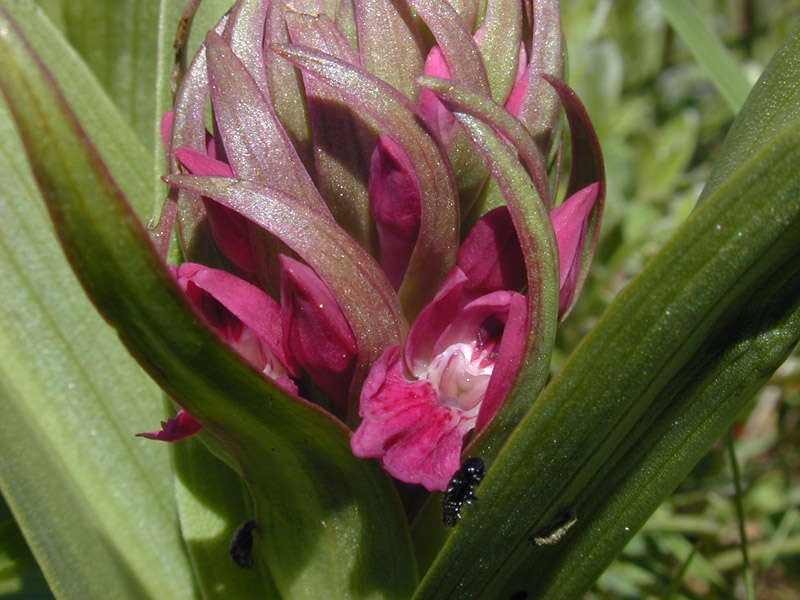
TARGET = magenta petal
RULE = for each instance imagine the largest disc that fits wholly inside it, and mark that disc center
(433, 320)
(166, 129)
(198, 163)
(179, 427)
(316, 332)
(418, 439)
(570, 223)
(395, 198)
(435, 114)
(491, 256)
(468, 324)
(230, 230)
(431, 453)
(510, 354)
(251, 307)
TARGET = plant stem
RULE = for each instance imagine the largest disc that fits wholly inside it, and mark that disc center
(746, 570)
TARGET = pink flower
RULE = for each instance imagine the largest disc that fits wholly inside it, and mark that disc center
(316, 333)
(457, 365)
(242, 315)
(419, 403)
(368, 176)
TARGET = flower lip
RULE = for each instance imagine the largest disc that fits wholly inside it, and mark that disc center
(417, 425)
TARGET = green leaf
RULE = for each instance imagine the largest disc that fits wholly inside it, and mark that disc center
(94, 503)
(330, 525)
(708, 51)
(127, 157)
(129, 49)
(20, 576)
(664, 372)
(120, 46)
(213, 503)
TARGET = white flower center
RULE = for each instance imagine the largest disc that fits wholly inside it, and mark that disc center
(461, 373)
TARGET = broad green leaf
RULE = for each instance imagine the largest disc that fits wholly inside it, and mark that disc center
(95, 504)
(708, 51)
(330, 525)
(715, 311)
(120, 45)
(128, 46)
(773, 105)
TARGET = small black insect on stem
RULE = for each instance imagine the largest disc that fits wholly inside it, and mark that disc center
(461, 490)
(241, 548)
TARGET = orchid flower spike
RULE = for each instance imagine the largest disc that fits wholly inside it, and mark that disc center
(376, 258)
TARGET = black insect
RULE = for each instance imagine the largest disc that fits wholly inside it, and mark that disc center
(241, 548)
(461, 490)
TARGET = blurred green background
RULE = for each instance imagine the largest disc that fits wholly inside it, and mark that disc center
(660, 121)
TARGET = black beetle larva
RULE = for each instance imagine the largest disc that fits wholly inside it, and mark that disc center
(241, 548)
(461, 490)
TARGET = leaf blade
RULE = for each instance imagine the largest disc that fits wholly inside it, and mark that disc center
(708, 51)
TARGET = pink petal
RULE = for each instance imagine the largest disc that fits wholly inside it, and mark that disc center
(166, 129)
(201, 164)
(229, 303)
(510, 354)
(433, 320)
(469, 322)
(491, 256)
(395, 198)
(316, 332)
(435, 114)
(570, 222)
(230, 230)
(418, 439)
(179, 427)
(514, 101)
